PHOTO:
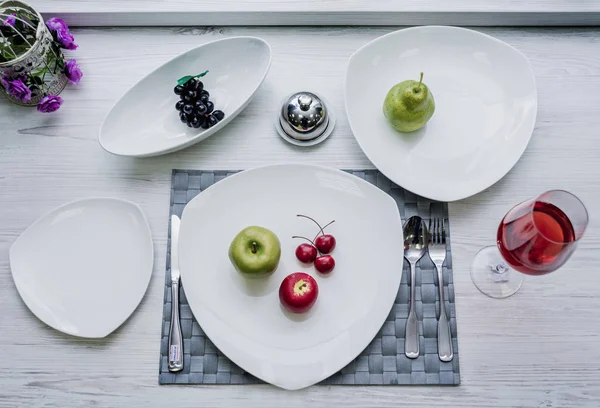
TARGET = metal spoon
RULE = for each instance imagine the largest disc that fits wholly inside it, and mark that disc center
(415, 245)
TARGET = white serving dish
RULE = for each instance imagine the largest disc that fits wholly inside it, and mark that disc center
(243, 317)
(486, 106)
(84, 267)
(144, 121)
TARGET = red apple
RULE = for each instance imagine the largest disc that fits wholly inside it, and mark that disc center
(298, 292)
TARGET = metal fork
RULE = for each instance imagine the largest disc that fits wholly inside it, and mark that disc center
(437, 253)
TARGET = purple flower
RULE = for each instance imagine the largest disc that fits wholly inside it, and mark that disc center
(73, 71)
(17, 89)
(66, 39)
(9, 21)
(49, 103)
(56, 24)
(63, 35)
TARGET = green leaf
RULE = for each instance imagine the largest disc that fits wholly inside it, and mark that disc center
(7, 55)
(186, 78)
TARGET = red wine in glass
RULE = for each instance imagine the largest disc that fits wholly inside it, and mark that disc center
(538, 241)
(535, 237)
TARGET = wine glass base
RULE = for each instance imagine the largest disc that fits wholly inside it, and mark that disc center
(492, 276)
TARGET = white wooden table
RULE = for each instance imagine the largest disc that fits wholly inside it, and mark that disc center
(539, 348)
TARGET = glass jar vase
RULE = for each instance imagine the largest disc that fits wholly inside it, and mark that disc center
(28, 52)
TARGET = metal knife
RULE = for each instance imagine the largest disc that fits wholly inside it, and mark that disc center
(175, 336)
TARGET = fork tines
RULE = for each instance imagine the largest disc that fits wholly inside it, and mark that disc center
(437, 229)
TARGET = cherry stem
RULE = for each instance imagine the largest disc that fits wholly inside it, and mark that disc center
(297, 236)
(318, 225)
(312, 219)
(326, 225)
(254, 247)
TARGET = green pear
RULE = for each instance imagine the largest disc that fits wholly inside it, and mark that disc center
(409, 105)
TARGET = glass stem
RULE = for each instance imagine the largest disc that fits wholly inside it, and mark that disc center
(499, 272)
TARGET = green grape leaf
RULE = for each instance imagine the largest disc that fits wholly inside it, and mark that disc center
(186, 78)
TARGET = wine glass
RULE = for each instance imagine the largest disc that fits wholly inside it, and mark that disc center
(535, 237)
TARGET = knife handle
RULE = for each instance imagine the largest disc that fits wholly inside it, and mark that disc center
(175, 336)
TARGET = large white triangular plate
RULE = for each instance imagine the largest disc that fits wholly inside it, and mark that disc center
(244, 318)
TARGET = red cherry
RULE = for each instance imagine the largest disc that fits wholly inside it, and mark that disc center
(325, 264)
(325, 243)
(298, 292)
(306, 253)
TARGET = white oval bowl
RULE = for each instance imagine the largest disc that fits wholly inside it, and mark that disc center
(144, 121)
(486, 107)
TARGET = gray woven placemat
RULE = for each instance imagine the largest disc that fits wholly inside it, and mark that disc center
(382, 363)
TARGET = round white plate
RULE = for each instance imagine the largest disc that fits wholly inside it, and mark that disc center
(84, 267)
(486, 106)
(244, 318)
(144, 121)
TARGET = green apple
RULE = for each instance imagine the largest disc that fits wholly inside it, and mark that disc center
(255, 251)
(409, 105)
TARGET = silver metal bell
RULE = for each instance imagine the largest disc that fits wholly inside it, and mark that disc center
(304, 119)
